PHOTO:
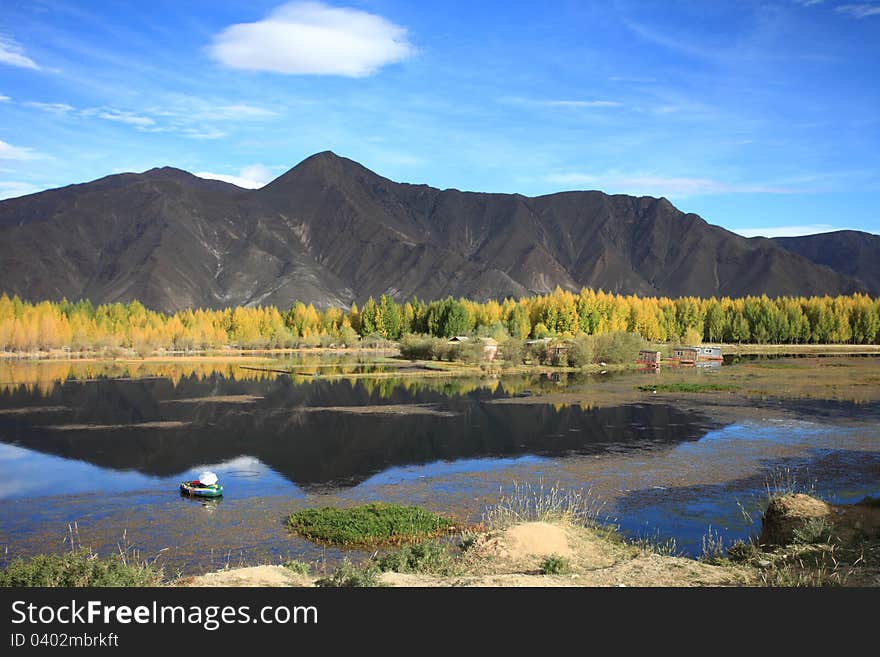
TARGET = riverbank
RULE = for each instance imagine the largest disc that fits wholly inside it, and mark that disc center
(804, 542)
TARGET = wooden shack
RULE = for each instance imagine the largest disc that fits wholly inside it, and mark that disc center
(685, 355)
(649, 358)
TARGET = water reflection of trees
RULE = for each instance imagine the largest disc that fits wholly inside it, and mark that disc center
(42, 378)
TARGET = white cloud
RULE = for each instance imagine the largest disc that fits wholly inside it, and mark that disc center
(250, 177)
(859, 10)
(310, 38)
(57, 108)
(582, 103)
(787, 231)
(808, 3)
(126, 117)
(646, 184)
(242, 112)
(10, 152)
(13, 189)
(4, 99)
(13, 55)
(534, 102)
(203, 133)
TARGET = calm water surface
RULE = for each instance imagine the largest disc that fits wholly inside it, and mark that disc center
(105, 449)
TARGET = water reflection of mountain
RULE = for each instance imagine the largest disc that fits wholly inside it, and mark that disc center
(270, 420)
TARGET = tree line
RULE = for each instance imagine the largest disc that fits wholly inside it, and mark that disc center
(81, 326)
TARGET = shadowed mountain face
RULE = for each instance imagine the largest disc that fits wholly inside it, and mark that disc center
(330, 231)
(848, 252)
(304, 433)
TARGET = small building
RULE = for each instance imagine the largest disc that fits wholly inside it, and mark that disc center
(685, 354)
(648, 357)
(458, 339)
(709, 354)
(490, 348)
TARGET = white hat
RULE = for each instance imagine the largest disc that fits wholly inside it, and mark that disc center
(208, 478)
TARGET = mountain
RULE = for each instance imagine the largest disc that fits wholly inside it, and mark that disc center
(849, 252)
(330, 231)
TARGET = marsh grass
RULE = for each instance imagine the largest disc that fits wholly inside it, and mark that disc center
(713, 550)
(785, 481)
(377, 523)
(688, 387)
(540, 503)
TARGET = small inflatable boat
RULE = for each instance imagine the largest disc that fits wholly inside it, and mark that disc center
(205, 486)
(198, 489)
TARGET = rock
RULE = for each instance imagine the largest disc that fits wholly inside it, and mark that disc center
(788, 513)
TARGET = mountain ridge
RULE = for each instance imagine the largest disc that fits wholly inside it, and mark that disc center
(330, 231)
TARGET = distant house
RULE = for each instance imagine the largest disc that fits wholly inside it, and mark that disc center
(490, 345)
(649, 358)
(689, 355)
(686, 355)
(490, 348)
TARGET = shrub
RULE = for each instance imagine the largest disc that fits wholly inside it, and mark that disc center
(513, 351)
(555, 565)
(417, 558)
(370, 524)
(814, 530)
(419, 347)
(618, 347)
(79, 568)
(298, 567)
(581, 351)
(351, 575)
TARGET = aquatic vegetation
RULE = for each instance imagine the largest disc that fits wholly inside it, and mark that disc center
(688, 387)
(369, 524)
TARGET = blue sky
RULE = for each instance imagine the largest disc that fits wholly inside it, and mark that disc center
(763, 117)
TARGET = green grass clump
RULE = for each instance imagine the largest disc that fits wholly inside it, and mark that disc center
(350, 575)
(298, 567)
(370, 524)
(814, 530)
(418, 558)
(79, 568)
(555, 565)
(688, 387)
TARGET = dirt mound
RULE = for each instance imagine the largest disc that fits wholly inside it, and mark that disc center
(789, 513)
(253, 576)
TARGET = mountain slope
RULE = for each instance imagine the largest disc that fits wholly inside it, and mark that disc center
(330, 231)
(849, 252)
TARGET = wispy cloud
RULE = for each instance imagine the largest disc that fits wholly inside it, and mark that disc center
(582, 103)
(126, 117)
(859, 10)
(10, 152)
(55, 108)
(4, 99)
(203, 133)
(564, 103)
(808, 3)
(13, 189)
(310, 38)
(787, 231)
(12, 54)
(250, 177)
(647, 184)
